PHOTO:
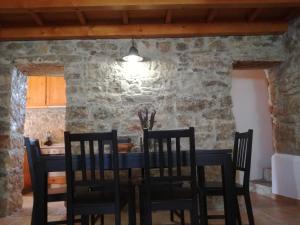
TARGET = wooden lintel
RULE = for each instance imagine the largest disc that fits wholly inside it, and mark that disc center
(141, 30)
(144, 4)
(211, 15)
(36, 18)
(81, 17)
(254, 14)
(246, 65)
(125, 18)
(292, 13)
(37, 69)
(168, 18)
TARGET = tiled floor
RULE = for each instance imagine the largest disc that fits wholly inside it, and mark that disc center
(267, 211)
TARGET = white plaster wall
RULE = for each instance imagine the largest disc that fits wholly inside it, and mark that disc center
(251, 110)
(285, 175)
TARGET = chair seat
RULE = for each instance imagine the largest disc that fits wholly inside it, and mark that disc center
(95, 197)
(83, 195)
(165, 193)
(216, 188)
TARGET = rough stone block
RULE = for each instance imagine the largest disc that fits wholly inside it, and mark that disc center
(5, 142)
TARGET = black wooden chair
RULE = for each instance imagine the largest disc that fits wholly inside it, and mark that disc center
(90, 192)
(241, 162)
(162, 188)
(53, 194)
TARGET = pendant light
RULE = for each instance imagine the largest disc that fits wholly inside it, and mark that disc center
(133, 55)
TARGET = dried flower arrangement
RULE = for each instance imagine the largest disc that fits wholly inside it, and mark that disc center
(143, 116)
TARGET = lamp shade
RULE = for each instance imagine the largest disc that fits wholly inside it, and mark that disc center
(133, 55)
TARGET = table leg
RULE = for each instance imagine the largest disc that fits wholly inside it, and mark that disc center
(202, 196)
(230, 192)
(224, 195)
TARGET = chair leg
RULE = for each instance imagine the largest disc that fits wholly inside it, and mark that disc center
(224, 202)
(102, 219)
(145, 209)
(46, 210)
(147, 213)
(172, 215)
(131, 207)
(203, 209)
(85, 219)
(142, 214)
(34, 214)
(94, 219)
(182, 217)
(224, 194)
(194, 211)
(249, 208)
(238, 213)
(118, 217)
(70, 217)
(142, 207)
(194, 217)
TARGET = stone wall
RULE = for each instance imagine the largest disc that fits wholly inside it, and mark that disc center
(186, 80)
(39, 121)
(12, 113)
(285, 95)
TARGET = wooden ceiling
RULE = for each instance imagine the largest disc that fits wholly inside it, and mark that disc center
(67, 19)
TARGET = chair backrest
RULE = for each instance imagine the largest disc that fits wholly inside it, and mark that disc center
(90, 148)
(169, 156)
(33, 154)
(242, 151)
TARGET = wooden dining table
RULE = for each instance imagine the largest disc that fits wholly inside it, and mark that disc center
(132, 160)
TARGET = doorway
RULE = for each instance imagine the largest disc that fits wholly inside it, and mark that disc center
(251, 109)
(45, 118)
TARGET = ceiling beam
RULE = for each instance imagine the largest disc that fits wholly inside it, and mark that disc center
(125, 17)
(81, 17)
(254, 14)
(211, 15)
(292, 13)
(168, 18)
(37, 19)
(141, 31)
(143, 4)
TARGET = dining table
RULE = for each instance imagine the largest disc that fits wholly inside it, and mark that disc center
(135, 160)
